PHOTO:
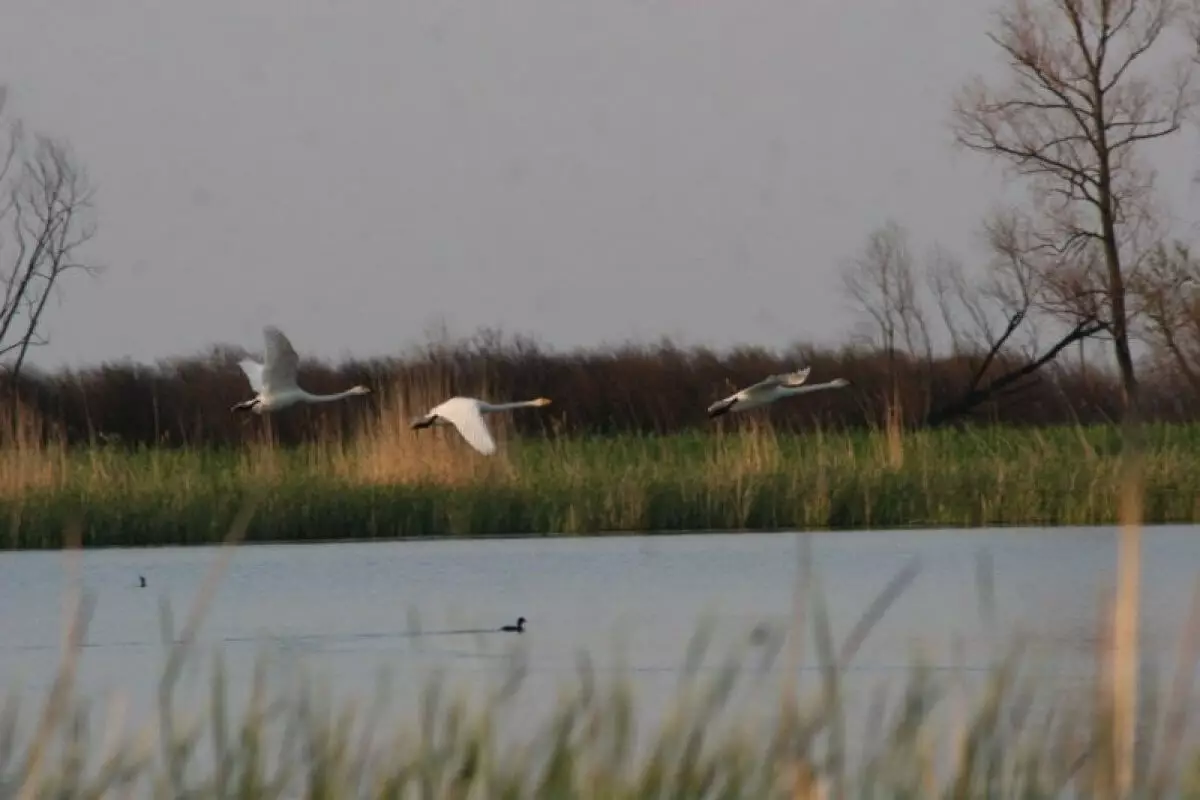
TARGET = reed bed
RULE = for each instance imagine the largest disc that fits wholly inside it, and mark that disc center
(386, 480)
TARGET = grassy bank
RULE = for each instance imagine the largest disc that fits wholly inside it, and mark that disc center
(388, 481)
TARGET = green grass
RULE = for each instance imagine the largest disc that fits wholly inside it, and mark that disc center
(395, 483)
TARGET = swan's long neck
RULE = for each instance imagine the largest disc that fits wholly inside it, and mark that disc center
(508, 406)
(309, 397)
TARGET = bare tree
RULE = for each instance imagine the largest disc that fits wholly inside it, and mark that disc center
(1072, 119)
(1168, 291)
(994, 319)
(1022, 287)
(46, 215)
(966, 317)
(882, 283)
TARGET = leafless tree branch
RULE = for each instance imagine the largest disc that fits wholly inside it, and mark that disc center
(46, 218)
(1168, 293)
(1019, 285)
(882, 283)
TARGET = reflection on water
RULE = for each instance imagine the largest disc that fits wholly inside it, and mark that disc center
(347, 612)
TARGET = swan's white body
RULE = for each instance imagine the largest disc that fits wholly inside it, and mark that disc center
(274, 381)
(770, 389)
(466, 414)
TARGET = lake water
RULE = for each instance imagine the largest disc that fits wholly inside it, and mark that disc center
(346, 612)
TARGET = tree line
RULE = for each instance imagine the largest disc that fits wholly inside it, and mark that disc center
(646, 389)
(1085, 266)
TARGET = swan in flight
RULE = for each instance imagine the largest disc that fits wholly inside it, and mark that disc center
(771, 389)
(466, 414)
(274, 382)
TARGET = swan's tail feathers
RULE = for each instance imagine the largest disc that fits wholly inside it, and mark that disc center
(721, 407)
(423, 422)
(245, 405)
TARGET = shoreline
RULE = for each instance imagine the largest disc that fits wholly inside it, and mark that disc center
(921, 528)
(407, 488)
(1029, 529)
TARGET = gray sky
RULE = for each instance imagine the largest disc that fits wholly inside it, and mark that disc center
(358, 172)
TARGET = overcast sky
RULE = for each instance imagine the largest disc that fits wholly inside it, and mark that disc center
(362, 171)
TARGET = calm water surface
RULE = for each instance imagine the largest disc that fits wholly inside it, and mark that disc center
(346, 612)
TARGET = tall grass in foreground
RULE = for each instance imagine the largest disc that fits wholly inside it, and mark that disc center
(385, 480)
(932, 739)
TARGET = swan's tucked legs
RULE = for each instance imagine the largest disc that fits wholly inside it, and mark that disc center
(245, 405)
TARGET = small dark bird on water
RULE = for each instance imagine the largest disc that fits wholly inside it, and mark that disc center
(142, 579)
(518, 628)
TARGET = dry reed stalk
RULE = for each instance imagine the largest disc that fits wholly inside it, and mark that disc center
(750, 451)
(796, 773)
(99, 470)
(31, 457)
(1127, 607)
(261, 460)
(803, 781)
(796, 622)
(1089, 452)
(385, 450)
(894, 434)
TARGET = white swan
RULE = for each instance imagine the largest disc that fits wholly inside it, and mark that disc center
(771, 389)
(274, 381)
(466, 414)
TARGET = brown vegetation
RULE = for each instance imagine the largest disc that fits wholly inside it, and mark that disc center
(645, 389)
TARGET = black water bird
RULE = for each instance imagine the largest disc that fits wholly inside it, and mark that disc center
(518, 628)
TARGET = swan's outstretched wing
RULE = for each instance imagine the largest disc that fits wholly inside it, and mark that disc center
(793, 379)
(254, 371)
(464, 414)
(788, 379)
(279, 371)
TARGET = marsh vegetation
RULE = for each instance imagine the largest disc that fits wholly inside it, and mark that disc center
(384, 480)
